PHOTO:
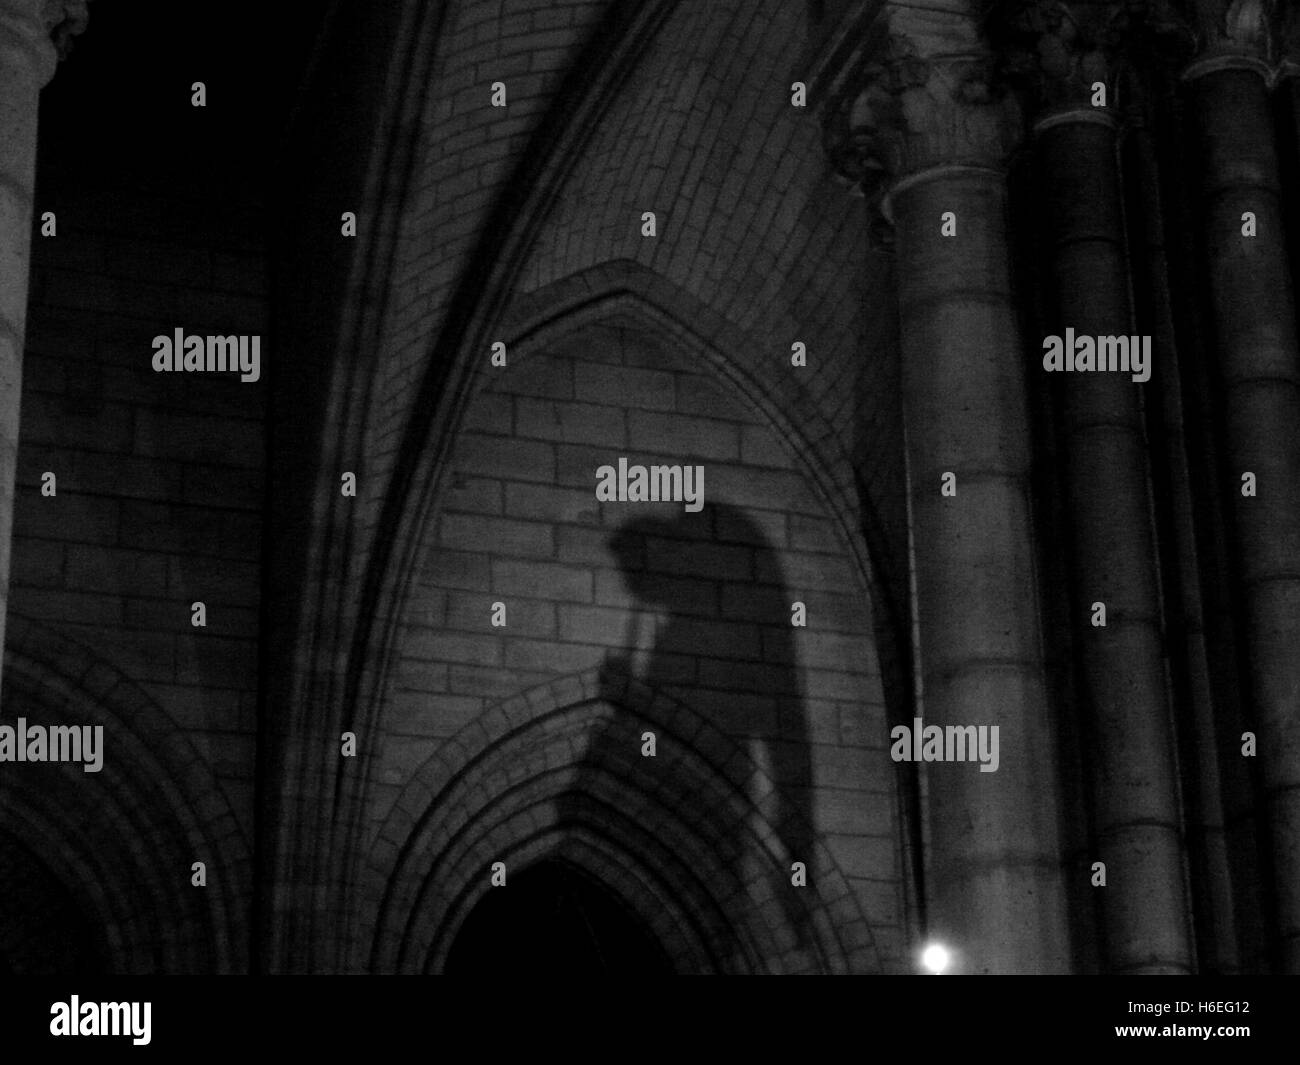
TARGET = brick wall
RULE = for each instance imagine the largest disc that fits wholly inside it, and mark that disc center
(520, 524)
(160, 476)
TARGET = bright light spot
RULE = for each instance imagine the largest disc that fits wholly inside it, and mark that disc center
(935, 958)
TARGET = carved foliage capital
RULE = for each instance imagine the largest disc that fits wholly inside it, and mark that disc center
(1262, 33)
(1243, 26)
(1058, 50)
(913, 112)
(65, 19)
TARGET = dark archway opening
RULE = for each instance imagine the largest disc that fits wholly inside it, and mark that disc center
(553, 919)
(42, 930)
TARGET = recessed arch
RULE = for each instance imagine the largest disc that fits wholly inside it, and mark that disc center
(405, 428)
(556, 920)
(696, 858)
(44, 930)
(621, 290)
(122, 840)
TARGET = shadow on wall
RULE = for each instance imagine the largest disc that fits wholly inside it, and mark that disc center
(663, 629)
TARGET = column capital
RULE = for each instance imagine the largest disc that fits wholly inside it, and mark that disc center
(1258, 35)
(922, 98)
(915, 113)
(64, 20)
(1059, 53)
(41, 31)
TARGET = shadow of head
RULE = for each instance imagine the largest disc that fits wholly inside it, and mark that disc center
(660, 555)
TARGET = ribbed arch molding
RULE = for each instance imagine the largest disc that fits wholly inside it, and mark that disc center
(681, 837)
(122, 840)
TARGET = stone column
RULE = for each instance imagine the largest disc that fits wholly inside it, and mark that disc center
(1137, 817)
(939, 139)
(27, 60)
(1255, 332)
(1147, 100)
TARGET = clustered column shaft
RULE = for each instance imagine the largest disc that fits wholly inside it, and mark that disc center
(1134, 791)
(1255, 334)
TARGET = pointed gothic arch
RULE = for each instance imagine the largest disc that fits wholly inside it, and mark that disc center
(518, 784)
(128, 834)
